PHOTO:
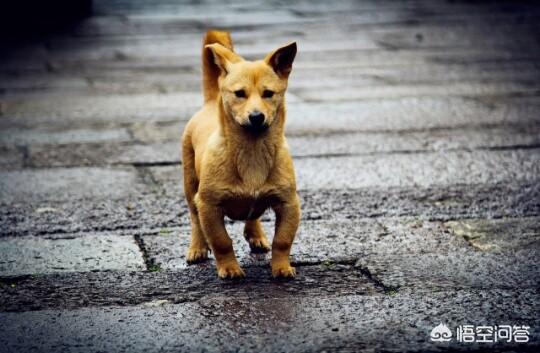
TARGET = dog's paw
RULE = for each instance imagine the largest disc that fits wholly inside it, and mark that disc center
(259, 245)
(285, 271)
(195, 255)
(230, 270)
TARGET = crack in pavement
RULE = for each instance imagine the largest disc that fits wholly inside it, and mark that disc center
(390, 290)
(148, 262)
(357, 263)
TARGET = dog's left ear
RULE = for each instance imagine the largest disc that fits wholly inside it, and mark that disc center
(281, 59)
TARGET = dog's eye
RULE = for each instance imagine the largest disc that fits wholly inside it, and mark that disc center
(240, 93)
(267, 93)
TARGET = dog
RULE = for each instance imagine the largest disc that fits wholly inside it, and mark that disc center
(235, 157)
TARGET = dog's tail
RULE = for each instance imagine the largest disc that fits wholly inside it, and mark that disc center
(210, 70)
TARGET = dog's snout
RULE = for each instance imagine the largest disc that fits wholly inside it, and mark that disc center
(256, 118)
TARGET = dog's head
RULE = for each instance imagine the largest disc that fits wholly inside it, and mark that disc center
(253, 91)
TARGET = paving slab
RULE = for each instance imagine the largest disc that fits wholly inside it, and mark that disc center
(448, 203)
(467, 89)
(74, 155)
(122, 288)
(458, 35)
(293, 324)
(39, 82)
(50, 217)
(399, 253)
(64, 184)
(86, 80)
(498, 235)
(420, 170)
(161, 153)
(165, 207)
(70, 109)
(510, 269)
(164, 175)
(33, 255)
(151, 132)
(20, 137)
(327, 242)
(499, 137)
(421, 113)
(109, 154)
(395, 60)
(330, 76)
(143, 82)
(11, 158)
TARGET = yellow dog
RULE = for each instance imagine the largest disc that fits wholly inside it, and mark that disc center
(236, 159)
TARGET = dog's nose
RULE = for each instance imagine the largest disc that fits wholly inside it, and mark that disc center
(256, 119)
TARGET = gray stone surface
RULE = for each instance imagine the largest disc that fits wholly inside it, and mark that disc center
(72, 109)
(165, 207)
(11, 158)
(420, 170)
(67, 184)
(344, 323)
(329, 242)
(418, 113)
(398, 142)
(359, 76)
(21, 137)
(400, 253)
(111, 288)
(103, 154)
(498, 235)
(78, 155)
(151, 132)
(31, 255)
(167, 153)
(515, 269)
(352, 93)
(414, 127)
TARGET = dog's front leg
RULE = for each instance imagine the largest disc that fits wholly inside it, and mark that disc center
(287, 220)
(212, 222)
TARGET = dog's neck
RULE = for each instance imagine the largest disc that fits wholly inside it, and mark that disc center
(253, 156)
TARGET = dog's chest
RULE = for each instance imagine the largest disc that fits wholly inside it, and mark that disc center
(246, 207)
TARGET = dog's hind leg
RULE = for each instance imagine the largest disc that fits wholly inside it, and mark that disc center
(254, 234)
(198, 249)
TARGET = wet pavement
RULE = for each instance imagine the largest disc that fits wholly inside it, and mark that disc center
(415, 132)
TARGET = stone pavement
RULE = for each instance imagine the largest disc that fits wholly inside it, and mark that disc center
(415, 129)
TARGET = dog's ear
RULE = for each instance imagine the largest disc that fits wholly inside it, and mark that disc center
(281, 59)
(223, 57)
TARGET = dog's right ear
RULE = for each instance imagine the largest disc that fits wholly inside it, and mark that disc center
(223, 57)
